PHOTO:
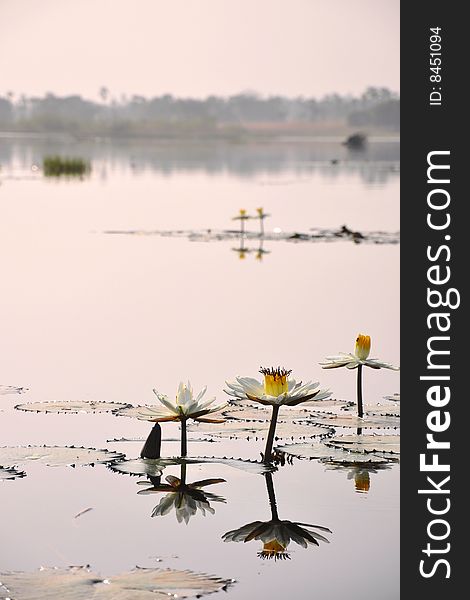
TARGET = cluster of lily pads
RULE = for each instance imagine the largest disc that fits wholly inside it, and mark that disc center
(254, 406)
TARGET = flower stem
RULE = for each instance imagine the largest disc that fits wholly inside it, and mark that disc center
(261, 225)
(360, 411)
(183, 474)
(184, 439)
(271, 495)
(272, 431)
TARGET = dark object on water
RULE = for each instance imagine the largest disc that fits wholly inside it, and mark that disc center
(355, 235)
(55, 166)
(334, 161)
(153, 443)
(299, 236)
(356, 141)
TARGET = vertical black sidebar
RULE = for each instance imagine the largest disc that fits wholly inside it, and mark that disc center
(435, 259)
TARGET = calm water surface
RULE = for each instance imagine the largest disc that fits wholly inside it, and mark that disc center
(91, 316)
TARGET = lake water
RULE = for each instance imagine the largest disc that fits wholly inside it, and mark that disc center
(89, 315)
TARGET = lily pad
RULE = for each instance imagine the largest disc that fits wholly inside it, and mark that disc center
(10, 473)
(393, 398)
(80, 406)
(55, 456)
(80, 583)
(367, 443)
(318, 450)
(142, 440)
(350, 420)
(259, 429)
(154, 466)
(141, 412)
(287, 413)
(11, 389)
(384, 410)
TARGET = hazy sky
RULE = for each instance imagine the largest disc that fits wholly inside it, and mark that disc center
(198, 47)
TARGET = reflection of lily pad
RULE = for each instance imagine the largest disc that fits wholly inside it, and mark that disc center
(154, 466)
(11, 389)
(56, 455)
(10, 473)
(79, 583)
(88, 406)
(323, 452)
(351, 420)
(259, 429)
(367, 443)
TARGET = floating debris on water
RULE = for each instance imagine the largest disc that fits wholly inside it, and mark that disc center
(313, 235)
(11, 389)
(10, 473)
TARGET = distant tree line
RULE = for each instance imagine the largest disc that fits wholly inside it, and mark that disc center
(137, 115)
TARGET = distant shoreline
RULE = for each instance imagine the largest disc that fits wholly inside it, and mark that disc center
(239, 136)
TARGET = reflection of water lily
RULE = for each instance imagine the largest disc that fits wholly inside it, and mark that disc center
(361, 479)
(184, 407)
(276, 534)
(185, 498)
(260, 253)
(360, 472)
(242, 252)
(359, 359)
(276, 390)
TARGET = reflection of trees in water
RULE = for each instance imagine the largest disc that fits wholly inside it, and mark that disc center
(377, 164)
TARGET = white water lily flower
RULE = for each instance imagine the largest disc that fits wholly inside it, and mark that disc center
(185, 406)
(360, 357)
(276, 389)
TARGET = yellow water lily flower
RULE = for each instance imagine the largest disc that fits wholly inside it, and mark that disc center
(242, 216)
(261, 216)
(276, 390)
(359, 359)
